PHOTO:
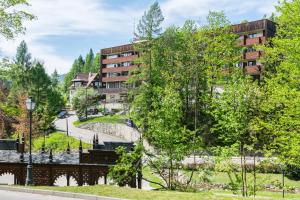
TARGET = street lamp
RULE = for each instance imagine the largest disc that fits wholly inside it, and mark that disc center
(30, 106)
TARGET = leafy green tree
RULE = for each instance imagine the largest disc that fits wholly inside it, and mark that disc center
(12, 19)
(84, 98)
(127, 167)
(280, 108)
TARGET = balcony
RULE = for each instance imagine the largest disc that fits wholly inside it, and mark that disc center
(253, 70)
(257, 40)
(119, 59)
(112, 90)
(114, 79)
(119, 69)
(252, 55)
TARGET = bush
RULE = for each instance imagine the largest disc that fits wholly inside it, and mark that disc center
(58, 142)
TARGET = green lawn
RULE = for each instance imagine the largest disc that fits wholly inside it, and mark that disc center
(149, 175)
(262, 178)
(103, 119)
(58, 142)
(129, 193)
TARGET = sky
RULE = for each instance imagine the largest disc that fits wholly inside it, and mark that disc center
(65, 29)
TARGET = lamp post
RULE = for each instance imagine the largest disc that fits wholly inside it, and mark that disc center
(30, 106)
(86, 104)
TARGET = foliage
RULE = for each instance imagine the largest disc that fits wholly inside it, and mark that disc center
(91, 64)
(150, 24)
(83, 99)
(127, 166)
(181, 70)
(11, 19)
(29, 78)
(280, 107)
(58, 142)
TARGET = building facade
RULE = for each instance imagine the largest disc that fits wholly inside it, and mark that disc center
(89, 80)
(251, 34)
(116, 63)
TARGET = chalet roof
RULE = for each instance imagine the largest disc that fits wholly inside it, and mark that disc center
(85, 77)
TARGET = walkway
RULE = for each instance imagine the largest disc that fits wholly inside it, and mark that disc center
(83, 134)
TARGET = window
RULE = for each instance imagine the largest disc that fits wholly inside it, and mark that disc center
(255, 35)
(97, 83)
(252, 63)
(112, 65)
(126, 54)
(112, 56)
(113, 85)
(126, 64)
(250, 49)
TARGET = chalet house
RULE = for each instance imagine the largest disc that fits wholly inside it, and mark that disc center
(84, 80)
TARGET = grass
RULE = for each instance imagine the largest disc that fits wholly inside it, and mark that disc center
(58, 142)
(262, 178)
(130, 193)
(148, 174)
(103, 119)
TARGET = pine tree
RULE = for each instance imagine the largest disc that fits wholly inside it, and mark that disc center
(150, 24)
(54, 78)
(96, 63)
(88, 64)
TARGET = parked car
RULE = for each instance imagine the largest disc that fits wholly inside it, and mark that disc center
(130, 123)
(62, 114)
(92, 111)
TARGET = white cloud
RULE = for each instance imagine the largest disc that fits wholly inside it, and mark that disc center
(175, 10)
(63, 18)
(97, 18)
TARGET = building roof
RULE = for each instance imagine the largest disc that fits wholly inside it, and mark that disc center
(117, 49)
(86, 77)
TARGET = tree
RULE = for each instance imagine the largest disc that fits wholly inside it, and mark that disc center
(54, 78)
(11, 19)
(84, 98)
(88, 64)
(76, 68)
(96, 63)
(150, 24)
(149, 27)
(126, 168)
(280, 108)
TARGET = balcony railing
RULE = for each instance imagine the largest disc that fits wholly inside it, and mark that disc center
(253, 70)
(114, 79)
(118, 69)
(119, 59)
(252, 55)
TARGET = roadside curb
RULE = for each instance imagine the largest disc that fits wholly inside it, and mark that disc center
(58, 193)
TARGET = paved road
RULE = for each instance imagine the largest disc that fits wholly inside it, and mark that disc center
(83, 134)
(12, 195)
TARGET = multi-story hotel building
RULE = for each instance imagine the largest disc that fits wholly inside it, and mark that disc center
(116, 62)
(251, 34)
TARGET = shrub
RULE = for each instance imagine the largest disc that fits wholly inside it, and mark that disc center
(57, 142)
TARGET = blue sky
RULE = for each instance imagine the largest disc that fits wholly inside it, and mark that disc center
(64, 29)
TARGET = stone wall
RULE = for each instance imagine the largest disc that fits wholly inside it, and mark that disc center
(118, 130)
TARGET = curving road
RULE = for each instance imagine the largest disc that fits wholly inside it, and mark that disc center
(83, 134)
